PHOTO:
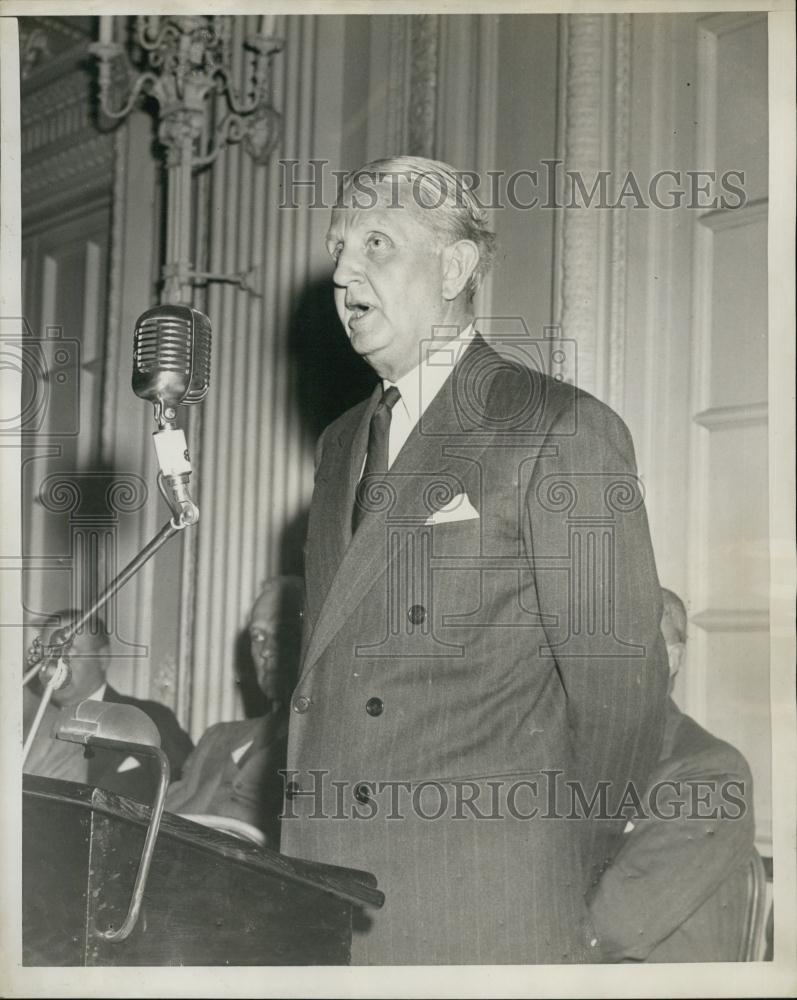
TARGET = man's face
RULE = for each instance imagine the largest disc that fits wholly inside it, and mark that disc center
(388, 278)
(87, 659)
(275, 647)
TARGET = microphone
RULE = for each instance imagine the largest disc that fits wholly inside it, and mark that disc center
(171, 366)
(44, 660)
(53, 660)
(171, 357)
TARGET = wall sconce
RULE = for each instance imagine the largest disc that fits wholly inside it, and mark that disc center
(184, 63)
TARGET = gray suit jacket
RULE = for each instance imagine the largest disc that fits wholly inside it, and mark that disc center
(248, 788)
(677, 888)
(464, 659)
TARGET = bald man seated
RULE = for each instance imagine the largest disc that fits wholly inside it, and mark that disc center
(234, 770)
(676, 890)
(88, 658)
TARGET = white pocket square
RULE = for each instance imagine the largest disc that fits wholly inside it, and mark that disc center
(128, 764)
(459, 508)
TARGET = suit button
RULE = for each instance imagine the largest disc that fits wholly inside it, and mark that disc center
(417, 614)
(374, 706)
(291, 790)
(361, 793)
(301, 703)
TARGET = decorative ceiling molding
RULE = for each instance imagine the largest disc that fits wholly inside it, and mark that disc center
(46, 43)
(34, 48)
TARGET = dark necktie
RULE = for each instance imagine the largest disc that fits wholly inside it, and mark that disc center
(376, 459)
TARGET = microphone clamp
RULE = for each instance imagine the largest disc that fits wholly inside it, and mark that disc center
(175, 472)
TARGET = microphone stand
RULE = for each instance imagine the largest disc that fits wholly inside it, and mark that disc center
(61, 674)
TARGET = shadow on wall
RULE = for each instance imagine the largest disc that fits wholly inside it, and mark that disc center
(291, 563)
(331, 377)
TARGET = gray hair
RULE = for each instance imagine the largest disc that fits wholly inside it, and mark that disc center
(456, 214)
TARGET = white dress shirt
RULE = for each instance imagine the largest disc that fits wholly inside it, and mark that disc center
(420, 386)
(99, 694)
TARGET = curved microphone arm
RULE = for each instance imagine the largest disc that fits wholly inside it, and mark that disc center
(49, 665)
(58, 678)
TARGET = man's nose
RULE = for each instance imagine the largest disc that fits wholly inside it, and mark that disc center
(347, 268)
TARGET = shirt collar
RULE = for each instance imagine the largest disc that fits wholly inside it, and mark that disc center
(422, 383)
(99, 694)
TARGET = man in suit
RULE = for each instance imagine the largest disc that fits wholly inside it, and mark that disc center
(234, 770)
(115, 770)
(482, 607)
(676, 890)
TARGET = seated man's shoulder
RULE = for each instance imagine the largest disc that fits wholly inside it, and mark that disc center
(232, 734)
(175, 741)
(698, 749)
(156, 710)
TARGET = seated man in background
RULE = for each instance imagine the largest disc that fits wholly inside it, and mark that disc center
(676, 890)
(88, 658)
(233, 771)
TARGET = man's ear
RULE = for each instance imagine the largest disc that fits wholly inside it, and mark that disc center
(460, 260)
(675, 654)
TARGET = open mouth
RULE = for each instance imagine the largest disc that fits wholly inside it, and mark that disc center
(357, 310)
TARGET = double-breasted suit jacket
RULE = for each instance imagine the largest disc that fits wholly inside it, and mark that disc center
(490, 632)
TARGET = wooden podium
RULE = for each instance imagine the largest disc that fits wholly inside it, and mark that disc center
(210, 899)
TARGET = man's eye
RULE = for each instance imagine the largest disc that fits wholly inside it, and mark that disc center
(335, 251)
(378, 242)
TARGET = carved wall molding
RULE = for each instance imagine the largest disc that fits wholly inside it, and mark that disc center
(594, 119)
(397, 85)
(406, 66)
(44, 40)
(56, 112)
(424, 70)
(618, 220)
(63, 152)
(111, 346)
(582, 151)
(90, 160)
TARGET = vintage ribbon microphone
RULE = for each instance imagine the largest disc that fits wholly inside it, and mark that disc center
(171, 367)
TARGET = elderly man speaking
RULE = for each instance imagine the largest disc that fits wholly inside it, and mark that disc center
(482, 676)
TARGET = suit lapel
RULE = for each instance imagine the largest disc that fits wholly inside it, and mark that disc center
(333, 499)
(366, 558)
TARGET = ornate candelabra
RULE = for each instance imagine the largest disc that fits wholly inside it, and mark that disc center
(184, 63)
